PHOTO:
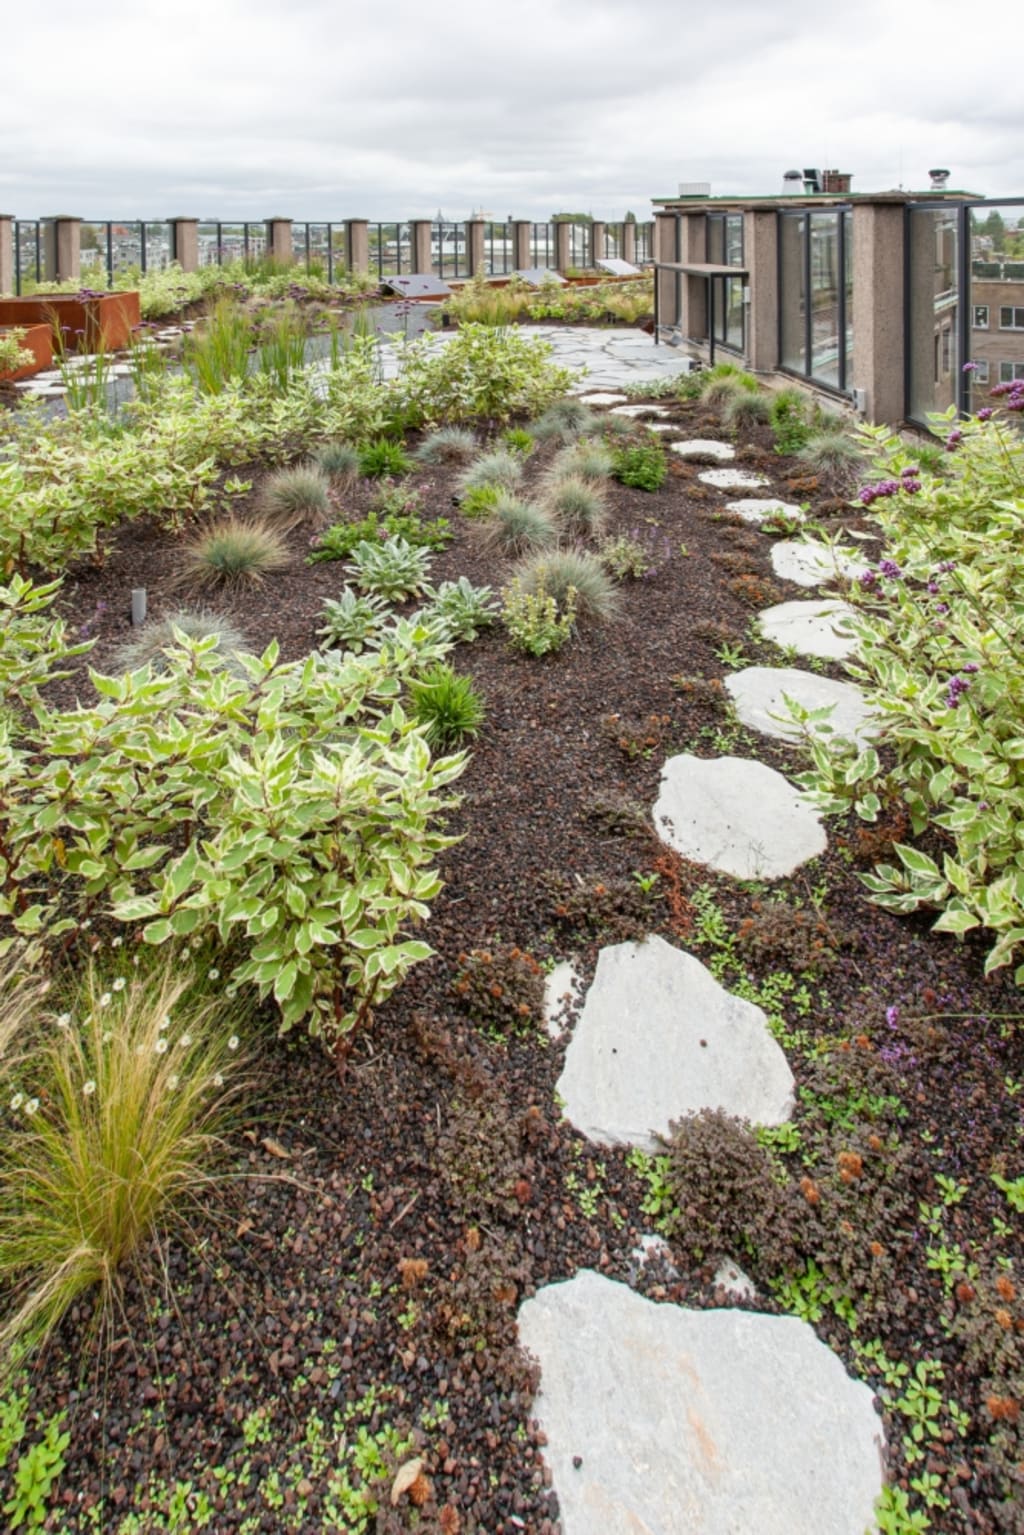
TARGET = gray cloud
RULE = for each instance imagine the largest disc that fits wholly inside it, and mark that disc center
(315, 109)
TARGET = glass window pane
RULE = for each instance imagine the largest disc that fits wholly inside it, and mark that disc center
(792, 298)
(933, 302)
(824, 234)
(996, 298)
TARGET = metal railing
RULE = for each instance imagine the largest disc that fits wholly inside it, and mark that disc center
(109, 247)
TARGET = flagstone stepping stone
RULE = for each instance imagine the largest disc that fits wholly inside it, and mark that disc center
(811, 628)
(759, 694)
(660, 426)
(697, 448)
(737, 1285)
(733, 479)
(661, 1420)
(740, 817)
(760, 509)
(603, 397)
(812, 564)
(634, 411)
(658, 1038)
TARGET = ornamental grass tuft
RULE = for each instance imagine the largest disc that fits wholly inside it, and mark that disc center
(115, 1112)
(232, 554)
(577, 505)
(516, 527)
(290, 497)
(501, 468)
(562, 570)
(149, 645)
(447, 704)
(448, 445)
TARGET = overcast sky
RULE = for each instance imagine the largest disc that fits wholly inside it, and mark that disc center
(332, 109)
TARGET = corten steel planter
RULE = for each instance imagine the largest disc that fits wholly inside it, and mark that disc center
(101, 323)
(37, 339)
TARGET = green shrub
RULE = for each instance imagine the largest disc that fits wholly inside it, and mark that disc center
(577, 505)
(460, 609)
(231, 553)
(480, 500)
(480, 373)
(642, 466)
(12, 354)
(119, 1108)
(381, 457)
(285, 816)
(791, 420)
(625, 557)
(148, 646)
(447, 704)
(338, 542)
(338, 460)
(940, 660)
(515, 527)
(533, 619)
(519, 440)
(572, 570)
(395, 569)
(448, 445)
(500, 469)
(352, 621)
(290, 497)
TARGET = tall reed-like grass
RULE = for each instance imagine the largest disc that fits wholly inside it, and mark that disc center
(220, 350)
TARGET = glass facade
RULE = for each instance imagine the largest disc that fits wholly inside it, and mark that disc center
(816, 295)
(725, 248)
(995, 341)
(933, 310)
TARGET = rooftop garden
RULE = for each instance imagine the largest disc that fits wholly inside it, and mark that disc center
(284, 870)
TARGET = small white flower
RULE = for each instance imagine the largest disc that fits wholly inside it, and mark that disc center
(17, 1101)
(64, 1021)
(218, 1080)
(167, 1021)
(173, 1081)
(185, 1041)
(32, 1106)
(115, 943)
(88, 1088)
(87, 923)
(213, 975)
(108, 1036)
(233, 1042)
(161, 1045)
(105, 999)
(119, 984)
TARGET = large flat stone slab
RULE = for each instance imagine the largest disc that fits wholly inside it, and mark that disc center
(658, 1038)
(760, 692)
(705, 450)
(733, 479)
(664, 1421)
(634, 412)
(603, 397)
(811, 628)
(811, 564)
(759, 508)
(740, 817)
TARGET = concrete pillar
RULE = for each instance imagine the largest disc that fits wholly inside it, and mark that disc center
(357, 245)
(694, 247)
(185, 243)
(878, 341)
(628, 252)
(62, 248)
(6, 253)
(475, 246)
(761, 258)
(563, 242)
(279, 241)
(420, 231)
(668, 283)
(597, 239)
(521, 230)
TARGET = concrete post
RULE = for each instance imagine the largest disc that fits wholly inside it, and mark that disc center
(6, 253)
(357, 245)
(185, 243)
(62, 248)
(597, 241)
(761, 257)
(476, 258)
(878, 350)
(420, 231)
(563, 244)
(521, 230)
(694, 241)
(279, 241)
(628, 251)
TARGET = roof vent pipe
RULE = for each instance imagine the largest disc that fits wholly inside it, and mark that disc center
(939, 180)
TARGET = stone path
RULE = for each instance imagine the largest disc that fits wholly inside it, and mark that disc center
(661, 1420)
(665, 1421)
(658, 1038)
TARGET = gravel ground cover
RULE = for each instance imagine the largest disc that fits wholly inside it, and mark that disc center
(350, 1309)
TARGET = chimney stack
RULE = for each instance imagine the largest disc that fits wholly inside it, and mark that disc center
(836, 181)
